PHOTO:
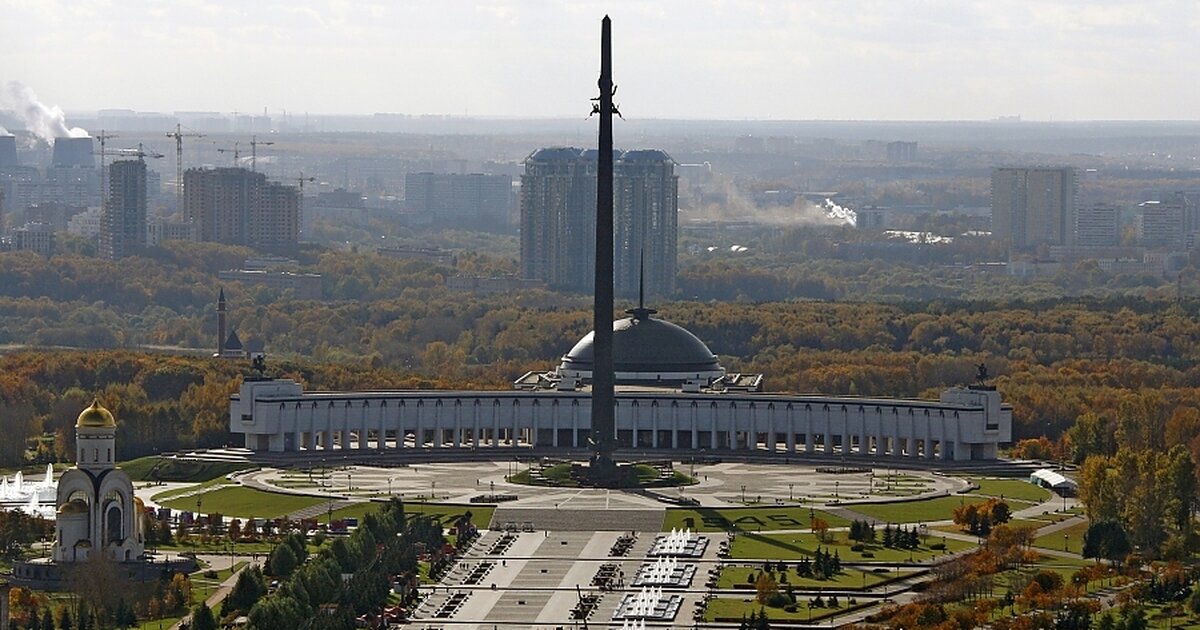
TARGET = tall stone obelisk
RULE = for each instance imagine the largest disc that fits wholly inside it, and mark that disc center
(603, 397)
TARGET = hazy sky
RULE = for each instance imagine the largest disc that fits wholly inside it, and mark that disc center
(848, 59)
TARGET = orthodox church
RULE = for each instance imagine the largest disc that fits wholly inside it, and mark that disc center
(98, 516)
(97, 510)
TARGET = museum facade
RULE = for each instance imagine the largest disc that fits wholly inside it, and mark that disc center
(672, 394)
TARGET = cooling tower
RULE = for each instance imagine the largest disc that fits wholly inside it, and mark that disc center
(73, 152)
(8, 151)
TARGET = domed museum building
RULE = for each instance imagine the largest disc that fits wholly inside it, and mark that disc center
(672, 395)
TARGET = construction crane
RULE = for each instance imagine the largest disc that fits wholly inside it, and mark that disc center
(179, 135)
(103, 137)
(234, 151)
(254, 151)
(140, 153)
(301, 181)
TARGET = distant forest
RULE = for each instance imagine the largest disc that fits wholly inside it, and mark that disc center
(1119, 355)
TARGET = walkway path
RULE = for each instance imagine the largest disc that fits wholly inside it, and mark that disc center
(222, 591)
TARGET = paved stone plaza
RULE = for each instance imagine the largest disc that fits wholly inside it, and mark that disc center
(719, 485)
(537, 581)
(562, 537)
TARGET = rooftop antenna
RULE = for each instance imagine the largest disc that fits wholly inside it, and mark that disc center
(642, 278)
(641, 312)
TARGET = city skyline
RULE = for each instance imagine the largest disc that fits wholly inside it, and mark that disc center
(763, 60)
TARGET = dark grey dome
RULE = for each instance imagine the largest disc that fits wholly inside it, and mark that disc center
(644, 344)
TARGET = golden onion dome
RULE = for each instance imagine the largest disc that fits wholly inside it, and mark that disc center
(74, 506)
(96, 417)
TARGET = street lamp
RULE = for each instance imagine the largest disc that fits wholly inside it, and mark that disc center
(790, 492)
(743, 493)
(199, 500)
(835, 489)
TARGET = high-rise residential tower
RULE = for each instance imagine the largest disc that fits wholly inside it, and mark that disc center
(1034, 206)
(123, 220)
(645, 215)
(240, 207)
(558, 216)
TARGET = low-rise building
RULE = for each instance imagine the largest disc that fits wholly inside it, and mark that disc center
(305, 286)
(34, 237)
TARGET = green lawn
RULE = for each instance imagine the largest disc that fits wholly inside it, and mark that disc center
(747, 519)
(156, 624)
(1157, 615)
(793, 546)
(239, 501)
(1073, 541)
(205, 486)
(154, 468)
(481, 515)
(734, 576)
(736, 609)
(1011, 489)
(925, 510)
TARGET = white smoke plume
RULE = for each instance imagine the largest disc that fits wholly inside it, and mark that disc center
(736, 207)
(4, 132)
(839, 214)
(44, 122)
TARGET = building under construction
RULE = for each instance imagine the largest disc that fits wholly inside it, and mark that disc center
(239, 207)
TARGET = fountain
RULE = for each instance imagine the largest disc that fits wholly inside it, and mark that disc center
(648, 603)
(679, 542)
(36, 498)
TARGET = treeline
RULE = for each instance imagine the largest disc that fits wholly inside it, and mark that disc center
(161, 402)
(1054, 360)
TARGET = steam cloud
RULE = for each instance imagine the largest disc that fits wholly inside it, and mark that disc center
(737, 207)
(44, 122)
(4, 132)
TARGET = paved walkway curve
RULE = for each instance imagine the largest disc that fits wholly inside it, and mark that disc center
(222, 591)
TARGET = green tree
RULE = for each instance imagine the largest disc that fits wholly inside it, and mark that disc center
(246, 592)
(282, 561)
(203, 619)
(1106, 540)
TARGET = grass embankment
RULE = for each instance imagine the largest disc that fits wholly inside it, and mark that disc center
(920, 511)
(446, 513)
(1067, 539)
(1018, 489)
(242, 502)
(155, 468)
(794, 546)
(157, 624)
(734, 610)
(735, 576)
(747, 519)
